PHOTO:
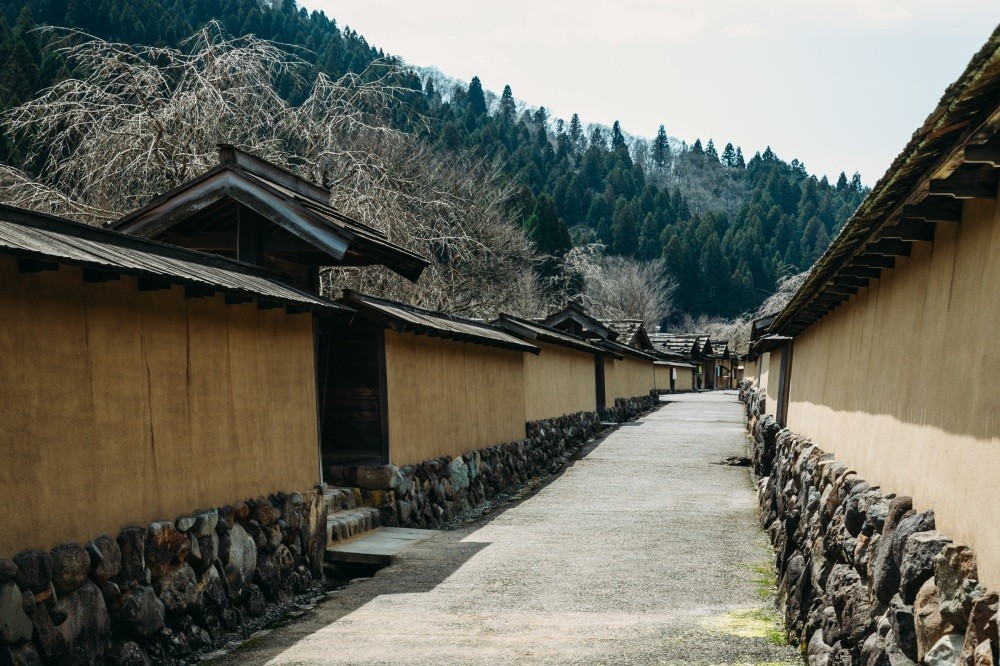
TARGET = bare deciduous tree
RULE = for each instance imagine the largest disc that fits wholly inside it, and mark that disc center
(619, 287)
(141, 120)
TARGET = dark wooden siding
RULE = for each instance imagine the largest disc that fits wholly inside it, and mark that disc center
(352, 394)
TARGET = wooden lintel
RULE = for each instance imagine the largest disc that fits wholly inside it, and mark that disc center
(874, 261)
(237, 299)
(983, 153)
(934, 209)
(980, 184)
(910, 230)
(296, 309)
(98, 275)
(263, 304)
(153, 284)
(26, 265)
(198, 291)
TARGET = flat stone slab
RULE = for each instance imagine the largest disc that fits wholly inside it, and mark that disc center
(380, 546)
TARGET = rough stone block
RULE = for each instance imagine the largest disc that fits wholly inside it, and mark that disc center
(917, 564)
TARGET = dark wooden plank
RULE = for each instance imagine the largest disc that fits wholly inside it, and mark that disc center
(962, 184)
(910, 230)
(237, 299)
(861, 271)
(934, 209)
(26, 265)
(97, 275)
(153, 284)
(983, 153)
(890, 247)
(198, 291)
(264, 304)
(874, 261)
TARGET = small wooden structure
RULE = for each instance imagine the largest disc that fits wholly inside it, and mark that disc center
(141, 381)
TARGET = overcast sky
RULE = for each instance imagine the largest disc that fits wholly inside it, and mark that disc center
(839, 84)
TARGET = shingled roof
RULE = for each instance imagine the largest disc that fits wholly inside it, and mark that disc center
(405, 318)
(949, 158)
(294, 219)
(36, 237)
(530, 330)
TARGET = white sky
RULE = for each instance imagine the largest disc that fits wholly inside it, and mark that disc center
(839, 84)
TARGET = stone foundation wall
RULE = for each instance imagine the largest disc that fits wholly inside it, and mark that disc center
(864, 579)
(160, 592)
(433, 492)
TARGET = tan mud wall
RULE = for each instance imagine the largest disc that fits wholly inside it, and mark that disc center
(120, 408)
(557, 382)
(684, 381)
(772, 381)
(903, 382)
(628, 378)
(448, 398)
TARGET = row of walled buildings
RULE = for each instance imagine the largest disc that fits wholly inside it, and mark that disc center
(176, 392)
(883, 370)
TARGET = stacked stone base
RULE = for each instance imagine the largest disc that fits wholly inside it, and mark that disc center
(864, 579)
(159, 593)
(432, 493)
(628, 409)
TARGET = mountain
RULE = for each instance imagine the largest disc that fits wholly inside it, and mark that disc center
(726, 226)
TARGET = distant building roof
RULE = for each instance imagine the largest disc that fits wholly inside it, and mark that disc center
(575, 318)
(531, 330)
(405, 318)
(298, 223)
(36, 236)
(631, 332)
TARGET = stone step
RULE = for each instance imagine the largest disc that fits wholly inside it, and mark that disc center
(342, 499)
(378, 547)
(349, 523)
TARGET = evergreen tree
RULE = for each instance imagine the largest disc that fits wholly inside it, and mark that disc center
(508, 108)
(617, 138)
(696, 148)
(576, 132)
(842, 182)
(476, 97)
(710, 151)
(740, 162)
(661, 149)
(729, 155)
(546, 229)
(625, 233)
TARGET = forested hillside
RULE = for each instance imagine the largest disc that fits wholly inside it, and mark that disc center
(727, 226)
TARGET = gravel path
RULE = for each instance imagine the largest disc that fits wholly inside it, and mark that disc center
(642, 552)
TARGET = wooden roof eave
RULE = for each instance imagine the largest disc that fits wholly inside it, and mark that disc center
(897, 189)
(223, 181)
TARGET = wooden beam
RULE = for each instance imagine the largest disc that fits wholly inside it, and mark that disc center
(98, 275)
(247, 237)
(874, 261)
(153, 284)
(198, 291)
(890, 247)
(237, 299)
(849, 281)
(964, 184)
(26, 265)
(910, 230)
(983, 153)
(934, 209)
(296, 309)
(840, 289)
(263, 304)
(861, 272)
